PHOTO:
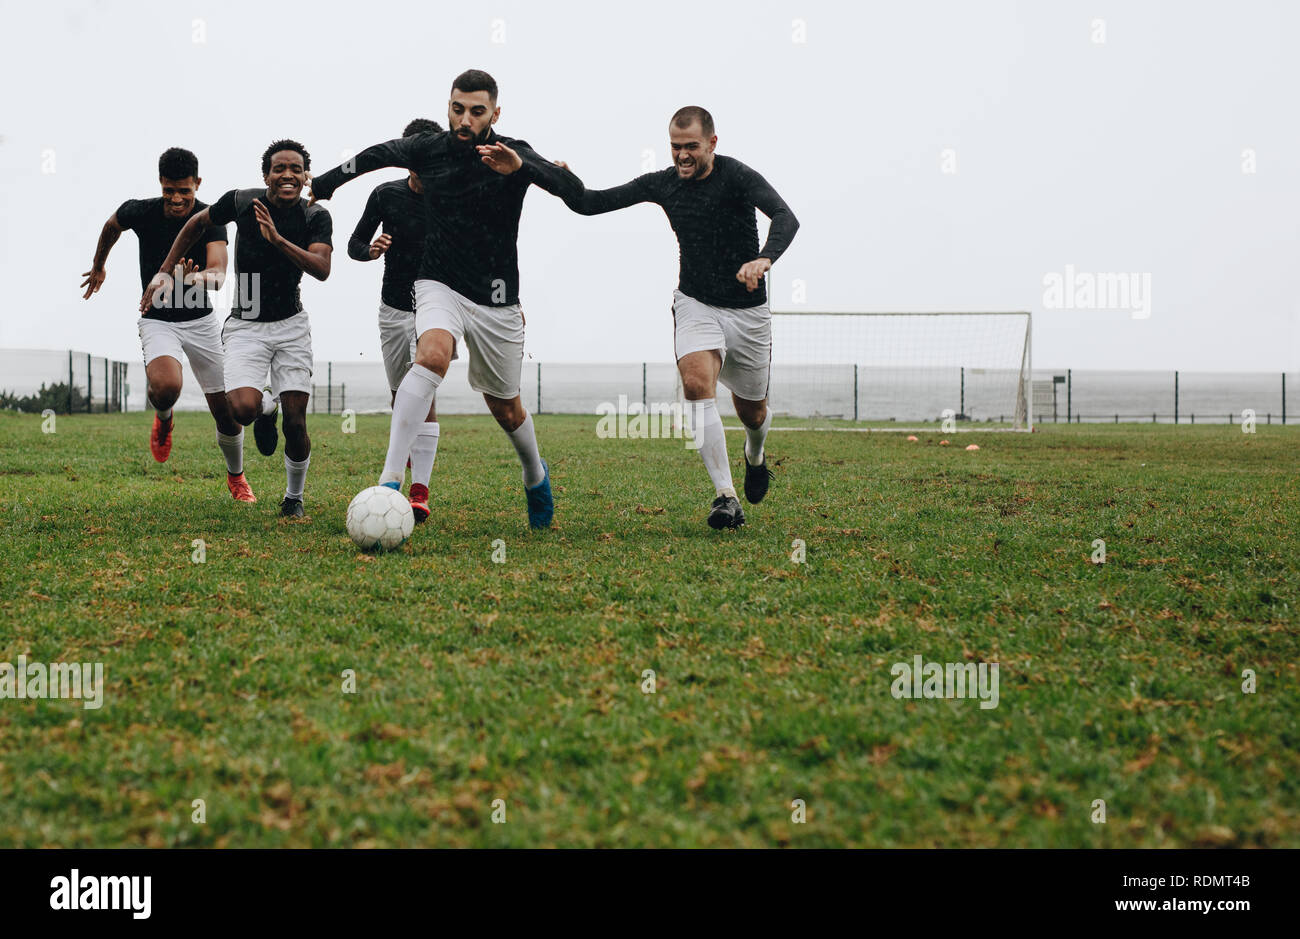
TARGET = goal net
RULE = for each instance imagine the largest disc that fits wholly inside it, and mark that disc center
(890, 371)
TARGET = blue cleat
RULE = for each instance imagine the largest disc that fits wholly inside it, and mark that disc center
(540, 504)
(393, 484)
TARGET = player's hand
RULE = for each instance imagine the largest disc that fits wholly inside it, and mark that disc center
(751, 273)
(189, 272)
(500, 158)
(381, 244)
(264, 222)
(311, 196)
(161, 283)
(94, 280)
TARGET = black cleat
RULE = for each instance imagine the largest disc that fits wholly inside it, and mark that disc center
(290, 508)
(726, 513)
(264, 431)
(756, 481)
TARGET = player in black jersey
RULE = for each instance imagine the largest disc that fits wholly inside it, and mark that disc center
(399, 207)
(722, 324)
(278, 238)
(183, 323)
(467, 289)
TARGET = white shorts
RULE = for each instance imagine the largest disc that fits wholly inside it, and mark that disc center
(743, 336)
(494, 335)
(281, 348)
(397, 341)
(200, 339)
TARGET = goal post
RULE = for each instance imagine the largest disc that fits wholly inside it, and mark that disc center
(895, 370)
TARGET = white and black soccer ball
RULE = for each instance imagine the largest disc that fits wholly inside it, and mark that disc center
(379, 518)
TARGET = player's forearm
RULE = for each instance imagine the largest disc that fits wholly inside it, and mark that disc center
(186, 238)
(305, 261)
(600, 201)
(556, 180)
(108, 236)
(368, 160)
(359, 248)
(779, 235)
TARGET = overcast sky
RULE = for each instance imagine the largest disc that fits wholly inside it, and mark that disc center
(1169, 149)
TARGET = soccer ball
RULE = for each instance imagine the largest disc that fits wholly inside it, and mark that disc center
(379, 518)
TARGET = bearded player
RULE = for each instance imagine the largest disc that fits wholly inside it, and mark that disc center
(467, 290)
(722, 324)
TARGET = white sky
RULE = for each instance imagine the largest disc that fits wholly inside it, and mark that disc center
(1122, 156)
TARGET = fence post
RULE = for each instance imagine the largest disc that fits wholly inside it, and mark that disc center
(643, 397)
(1175, 396)
(105, 384)
(1284, 397)
(69, 381)
(962, 399)
(343, 395)
(329, 387)
(90, 388)
(855, 391)
(539, 387)
(1069, 394)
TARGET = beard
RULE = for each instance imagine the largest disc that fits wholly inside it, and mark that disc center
(475, 140)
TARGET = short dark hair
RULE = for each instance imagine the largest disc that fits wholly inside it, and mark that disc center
(475, 80)
(178, 163)
(279, 145)
(422, 125)
(688, 115)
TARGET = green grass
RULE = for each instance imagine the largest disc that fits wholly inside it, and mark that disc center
(522, 681)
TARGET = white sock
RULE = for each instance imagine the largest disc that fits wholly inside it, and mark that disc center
(423, 452)
(754, 440)
(232, 448)
(706, 428)
(414, 395)
(525, 440)
(164, 416)
(269, 404)
(295, 474)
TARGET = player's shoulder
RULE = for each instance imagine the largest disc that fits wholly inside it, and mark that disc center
(312, 211)
(242, 199)
(731, 166)
(393, 187)
(134, 210)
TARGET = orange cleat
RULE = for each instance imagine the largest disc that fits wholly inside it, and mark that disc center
(239, 488)
(419, 502)
(160, 446)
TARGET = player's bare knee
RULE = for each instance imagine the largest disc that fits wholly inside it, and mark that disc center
(164, 395)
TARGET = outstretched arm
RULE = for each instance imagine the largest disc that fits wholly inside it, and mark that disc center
(108, 236)
(400, 152)
(600, 201)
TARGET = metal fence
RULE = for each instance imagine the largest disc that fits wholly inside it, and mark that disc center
(73, 380)
(1175, 397)
(62, 380)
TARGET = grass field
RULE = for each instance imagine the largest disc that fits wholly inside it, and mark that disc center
(522, 681)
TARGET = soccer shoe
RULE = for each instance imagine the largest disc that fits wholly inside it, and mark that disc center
(419, 502)
(239, 488)
(264, 431)
(756, 481)
(726, 513)
(291, 508)
(541, 507)
(161, 446)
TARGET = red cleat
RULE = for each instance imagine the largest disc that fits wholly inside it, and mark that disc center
(239, 488)
(419, 502)
(161, 446)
